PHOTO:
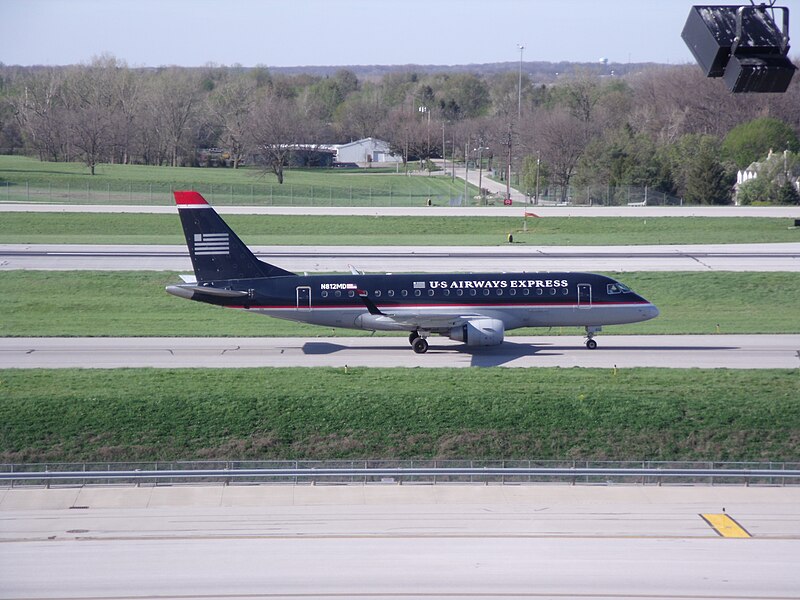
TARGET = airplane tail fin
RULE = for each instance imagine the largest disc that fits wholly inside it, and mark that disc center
(217, 252)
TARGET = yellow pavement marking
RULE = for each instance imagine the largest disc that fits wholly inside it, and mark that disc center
(725, 525)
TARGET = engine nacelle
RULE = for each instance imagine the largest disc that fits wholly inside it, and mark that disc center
(479, 332)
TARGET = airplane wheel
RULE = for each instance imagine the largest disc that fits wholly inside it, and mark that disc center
(420, 345)
(412, 336)
(591, 344)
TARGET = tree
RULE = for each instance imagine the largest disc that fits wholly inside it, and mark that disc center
(231, 105)
(39, 110)
(466, 94)
(707, 180)
(534, 176)
(175, 98)
(751, 141)
(361, 114)
(276, 126)
(788, 194)
(91, 103)
(562, 139)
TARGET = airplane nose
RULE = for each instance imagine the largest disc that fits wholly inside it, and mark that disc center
(651, 311)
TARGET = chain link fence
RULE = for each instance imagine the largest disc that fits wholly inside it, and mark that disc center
(160, 194)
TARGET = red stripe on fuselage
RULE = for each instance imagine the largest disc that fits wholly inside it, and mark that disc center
(429, 306)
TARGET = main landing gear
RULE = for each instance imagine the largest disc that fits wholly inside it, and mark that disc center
(418, 343)
(590, 332)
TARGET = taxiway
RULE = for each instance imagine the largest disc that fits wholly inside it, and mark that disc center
(427, 259)
(614, 351)
(390, 541)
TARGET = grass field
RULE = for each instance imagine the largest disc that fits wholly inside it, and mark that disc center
(85, 303)
(653, 414)
(25, 179)
(88, 228)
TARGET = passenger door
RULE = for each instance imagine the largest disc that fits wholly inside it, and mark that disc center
(584, 295)
(303, 297)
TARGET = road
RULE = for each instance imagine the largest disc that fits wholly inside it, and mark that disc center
(622, 351)
(432, 259)
(390, 541)
(518, 210)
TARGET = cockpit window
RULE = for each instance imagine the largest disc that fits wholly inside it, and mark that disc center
(618, 288)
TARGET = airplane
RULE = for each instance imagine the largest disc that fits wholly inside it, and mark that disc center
(476, 309)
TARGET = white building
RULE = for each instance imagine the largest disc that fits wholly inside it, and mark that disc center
(363, 152)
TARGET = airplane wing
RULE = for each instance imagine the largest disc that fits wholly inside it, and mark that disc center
(429, 321)
(414, 319)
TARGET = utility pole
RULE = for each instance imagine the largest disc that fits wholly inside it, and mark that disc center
(466, 171)
(519, 86)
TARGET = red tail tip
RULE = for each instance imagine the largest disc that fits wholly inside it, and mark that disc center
(188, 198)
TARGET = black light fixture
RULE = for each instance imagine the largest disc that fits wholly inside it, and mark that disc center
(741, 44)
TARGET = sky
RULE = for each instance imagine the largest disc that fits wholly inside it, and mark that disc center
(342, 32)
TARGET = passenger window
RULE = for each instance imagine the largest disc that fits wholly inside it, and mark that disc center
(472, 292)
(390, 292)
(459, 292)
(552, 291)
(430, 292)
(338, 294)
(526, 292)
(564, 291)
(351, 293)
(377, 293)
(417, 293)
(404, 293)
(512, 292)
(485, 292)
(324, 294)
(446, 292)
(539, 291)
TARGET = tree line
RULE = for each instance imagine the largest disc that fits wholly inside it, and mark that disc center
(665, 127)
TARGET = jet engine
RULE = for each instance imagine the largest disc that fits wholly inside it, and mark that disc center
(479, 332)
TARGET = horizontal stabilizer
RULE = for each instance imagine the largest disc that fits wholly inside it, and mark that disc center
(187, 291)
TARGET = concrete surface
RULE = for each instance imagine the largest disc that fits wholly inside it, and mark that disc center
(430, 259)
(389, 541)
(623, 351)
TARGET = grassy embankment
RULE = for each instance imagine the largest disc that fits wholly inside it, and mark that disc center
(653, 414)
(71, 228)
(25, 179)
(81, 303)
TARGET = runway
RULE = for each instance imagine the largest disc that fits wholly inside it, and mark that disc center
(390, 541)
(429, 259)
(623, 351)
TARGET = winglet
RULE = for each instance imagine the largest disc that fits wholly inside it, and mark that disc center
(189, 198)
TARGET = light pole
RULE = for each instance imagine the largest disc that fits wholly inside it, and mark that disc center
(519, 85)
(538, 160)
(444, 160)
(424, 110)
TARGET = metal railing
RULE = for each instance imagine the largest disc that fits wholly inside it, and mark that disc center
(399, 472)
